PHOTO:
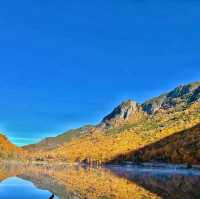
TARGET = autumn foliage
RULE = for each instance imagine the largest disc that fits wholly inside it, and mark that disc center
(118, 144)
(9, 150)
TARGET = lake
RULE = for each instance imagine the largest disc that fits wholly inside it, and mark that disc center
(17, 188)
(31, 181)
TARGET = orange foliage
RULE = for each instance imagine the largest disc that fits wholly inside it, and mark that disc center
(102, 147)
(8, 150)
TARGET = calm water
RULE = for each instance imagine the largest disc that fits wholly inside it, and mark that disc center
(14, 187)
(119, 182)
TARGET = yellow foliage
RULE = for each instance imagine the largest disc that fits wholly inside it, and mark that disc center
(102, 147)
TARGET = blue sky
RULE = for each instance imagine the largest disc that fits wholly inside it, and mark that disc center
(68, 63)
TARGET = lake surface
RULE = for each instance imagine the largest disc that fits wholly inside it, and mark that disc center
(17, 188)
(25, 181)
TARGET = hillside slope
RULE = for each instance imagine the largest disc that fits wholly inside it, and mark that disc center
(54, 142)
(180, 147)
(131, 126)
(8, 150)
(116, 143)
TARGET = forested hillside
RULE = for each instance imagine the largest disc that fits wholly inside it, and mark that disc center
(131, 127)
(8, 150)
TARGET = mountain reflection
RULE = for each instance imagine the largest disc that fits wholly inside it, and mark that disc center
(74, 182)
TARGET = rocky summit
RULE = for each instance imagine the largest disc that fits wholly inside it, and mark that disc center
(182, 96)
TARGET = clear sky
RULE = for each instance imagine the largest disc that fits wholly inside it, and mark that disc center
(66, 63)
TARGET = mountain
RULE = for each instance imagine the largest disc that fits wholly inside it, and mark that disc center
(130, 127)
(119, 144)
(7, 149)
(127, 111)
(182, 96)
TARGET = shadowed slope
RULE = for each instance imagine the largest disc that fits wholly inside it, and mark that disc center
(181, 147)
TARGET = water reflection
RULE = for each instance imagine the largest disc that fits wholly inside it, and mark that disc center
(15, 187)
(168, 183)
(124, 182)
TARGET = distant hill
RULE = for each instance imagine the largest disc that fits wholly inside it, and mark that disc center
(53, 142)
(129, 127)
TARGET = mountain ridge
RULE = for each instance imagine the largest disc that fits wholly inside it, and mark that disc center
(181, 94)
(129, 111)
(111, 145)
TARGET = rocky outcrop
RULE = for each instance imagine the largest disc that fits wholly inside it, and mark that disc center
(123, 111)
(126, 111)
(181, 96)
